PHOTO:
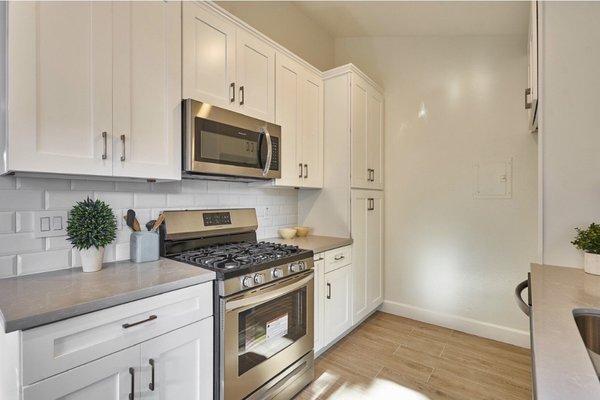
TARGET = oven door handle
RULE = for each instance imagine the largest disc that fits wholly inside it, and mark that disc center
(267, 166)
(268, 295)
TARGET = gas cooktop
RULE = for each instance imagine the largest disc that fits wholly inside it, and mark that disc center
(235, 259)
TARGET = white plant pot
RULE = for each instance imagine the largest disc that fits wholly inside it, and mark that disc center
(591, 263)
(91, 259)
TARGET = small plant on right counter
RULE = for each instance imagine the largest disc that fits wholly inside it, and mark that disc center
(588, 240)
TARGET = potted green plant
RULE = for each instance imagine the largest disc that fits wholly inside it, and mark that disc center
(91, 226)
(588, 240)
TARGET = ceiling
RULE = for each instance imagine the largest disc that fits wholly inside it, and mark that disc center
(405, 18)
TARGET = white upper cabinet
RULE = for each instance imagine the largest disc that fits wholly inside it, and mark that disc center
(288, 116)
(299, 111)
(255, 70)
(60, 87)
(147, 89)
(367, 134)
(312, 130)
(208, 56)
(226, 65)
(94, 88)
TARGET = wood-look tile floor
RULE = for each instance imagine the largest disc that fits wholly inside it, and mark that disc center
(390, 357)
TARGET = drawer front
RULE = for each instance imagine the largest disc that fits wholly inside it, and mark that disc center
(338, 258)
(57, 347)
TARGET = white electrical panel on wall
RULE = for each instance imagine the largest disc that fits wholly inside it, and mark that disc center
(493, 179)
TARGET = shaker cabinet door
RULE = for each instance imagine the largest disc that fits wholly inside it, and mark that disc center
(359, 100)
(179, 365)
(337, 310)
(113, 377)
(60, 87)
(375, 139)
(147, 89)
(255, 71)
(288, 116)
(208, 57)
(374, 247)
(312, 130)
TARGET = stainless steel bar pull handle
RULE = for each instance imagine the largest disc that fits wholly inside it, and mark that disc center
(300, 174)
(232, 86)
(370, 204)
(328, 291)
(151, 385)
(150, 318)
(242, 96)
(305, 171)
(527, 93)
(339, 257)
(105, 145)
(132, 373)
(123, 142)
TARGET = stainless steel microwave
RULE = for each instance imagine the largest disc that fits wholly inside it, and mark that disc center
(225, 143)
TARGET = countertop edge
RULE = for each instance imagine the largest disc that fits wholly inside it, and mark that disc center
(101, 304)
(332, 242)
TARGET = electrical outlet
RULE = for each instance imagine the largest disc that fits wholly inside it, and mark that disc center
(50, 223)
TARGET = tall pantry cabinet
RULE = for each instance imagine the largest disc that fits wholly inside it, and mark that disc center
(351, 201)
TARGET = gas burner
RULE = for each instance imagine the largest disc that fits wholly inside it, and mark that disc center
(232, 256)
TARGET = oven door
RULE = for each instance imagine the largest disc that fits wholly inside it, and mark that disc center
(223, 142)
(266, 330)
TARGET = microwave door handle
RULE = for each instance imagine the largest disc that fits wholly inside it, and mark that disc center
(267, 166)
(269, 295)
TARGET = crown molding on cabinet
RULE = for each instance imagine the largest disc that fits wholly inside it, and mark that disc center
(344, 69)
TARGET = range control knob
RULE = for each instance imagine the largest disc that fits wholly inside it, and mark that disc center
(301, 266)
(259, 279)
(247, 281)
(294, 267)
(277, 272)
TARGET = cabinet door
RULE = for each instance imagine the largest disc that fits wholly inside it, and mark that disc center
(147, 89)
(312, 130)
(60, 87)
(531, 99)
(255, 70)
(319, 300)
(375, 138)
(359, 204)
(179, 364)
(337, 309)
(359, 100)
(374, 250)
(208, 56)
(288, 112)
(108, 378)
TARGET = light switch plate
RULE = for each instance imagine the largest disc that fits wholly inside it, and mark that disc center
(50, 223)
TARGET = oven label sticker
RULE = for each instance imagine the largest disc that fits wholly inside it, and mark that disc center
(277, 328)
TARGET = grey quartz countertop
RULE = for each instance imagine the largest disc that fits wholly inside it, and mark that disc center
(34, 300)
(317, 244)
(561, 366)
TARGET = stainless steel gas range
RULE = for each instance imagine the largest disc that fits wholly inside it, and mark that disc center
(263, 298)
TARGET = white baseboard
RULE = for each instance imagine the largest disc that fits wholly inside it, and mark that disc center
(463, 324)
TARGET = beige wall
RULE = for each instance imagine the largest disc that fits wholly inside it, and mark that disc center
(289, 26)
(570, 127)
(452, 102)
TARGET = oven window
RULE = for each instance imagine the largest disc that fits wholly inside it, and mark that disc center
(267, 329)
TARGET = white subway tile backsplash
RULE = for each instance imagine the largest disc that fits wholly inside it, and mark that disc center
(117, 199)
(92, 185)
(15, 200)
(40, 262)
(7, 222)
(63, 200)
(22, 253)
(7, 266)
(19, 243)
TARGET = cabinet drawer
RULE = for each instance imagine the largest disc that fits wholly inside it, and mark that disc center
(319, 257)
(337, 258)
(63, 345)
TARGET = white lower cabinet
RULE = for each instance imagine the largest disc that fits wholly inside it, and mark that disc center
(159, 347)
(108, 378)
(179, 365)
(319, 300)
(337, 309)
(367, 249)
